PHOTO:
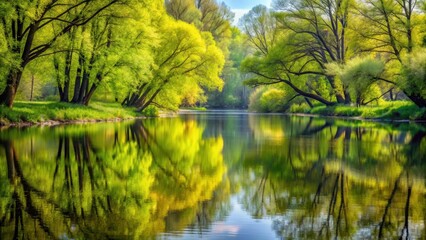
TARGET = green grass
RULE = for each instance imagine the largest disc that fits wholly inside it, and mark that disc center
(398, 110)
(37, 112)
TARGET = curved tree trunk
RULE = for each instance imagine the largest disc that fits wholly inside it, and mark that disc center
(12, 83)
(417, 99)
(306, 94)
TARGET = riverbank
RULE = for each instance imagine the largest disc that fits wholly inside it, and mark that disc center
(51, 113)
(390, 111)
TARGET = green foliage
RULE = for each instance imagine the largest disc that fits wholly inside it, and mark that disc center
(300, 108)
(151, 111)
(331, 54)
(234, 94)
(388, 110)
(414, 73)
(359, 74)
(265, 99)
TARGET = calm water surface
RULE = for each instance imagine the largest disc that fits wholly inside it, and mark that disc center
(214, 175)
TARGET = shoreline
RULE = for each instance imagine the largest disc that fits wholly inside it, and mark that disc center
(50, 123)
(26, 114)
(357, 118)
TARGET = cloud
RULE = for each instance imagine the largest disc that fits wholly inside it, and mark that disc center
(238, 14)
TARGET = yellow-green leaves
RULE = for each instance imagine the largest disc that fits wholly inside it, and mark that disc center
(414, 73)
(185, 60)
(359, 74)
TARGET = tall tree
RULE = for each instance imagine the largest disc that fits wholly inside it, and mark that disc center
(184, 57)
(103, 48)
(279, 58)
(319, 29)
(26, 28)
(391, 29)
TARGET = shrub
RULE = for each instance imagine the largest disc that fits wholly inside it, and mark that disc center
(150, 111)
(269, 99)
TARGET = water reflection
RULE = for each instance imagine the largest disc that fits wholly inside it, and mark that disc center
(332, 179)
(110, 181)
(214, 176)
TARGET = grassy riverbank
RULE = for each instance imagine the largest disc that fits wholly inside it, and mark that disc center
(26, 113)
(399, 110)
(45, 112)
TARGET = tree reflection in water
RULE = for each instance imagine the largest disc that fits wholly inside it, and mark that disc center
(330, 180)
(98, 181)
(315, 178)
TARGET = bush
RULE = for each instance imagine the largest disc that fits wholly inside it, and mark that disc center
(267, 99)
(150, 111)
(299, 108)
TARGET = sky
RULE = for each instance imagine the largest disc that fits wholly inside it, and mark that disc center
(241, 7)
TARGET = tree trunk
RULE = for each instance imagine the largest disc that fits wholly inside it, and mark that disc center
(78, 79)
(89, 94)
(141, 100)
(348, 99)
(339, 96)
(12, 83)
(32, 87)
(77, 86)
(146, 104)
(58, 76)
(84, 86)
(419, 100)
(67, 81)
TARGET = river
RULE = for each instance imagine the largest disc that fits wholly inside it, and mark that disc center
(214, 175)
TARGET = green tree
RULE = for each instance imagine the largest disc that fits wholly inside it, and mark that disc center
(26, 32)
(278, 58)
(319, 30)
(184, 59)
(392, 30)
(359, 75)
(235, 93)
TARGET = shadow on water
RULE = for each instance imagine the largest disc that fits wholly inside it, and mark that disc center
(314, 178)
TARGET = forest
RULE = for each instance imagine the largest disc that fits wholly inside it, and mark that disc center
(309, 56)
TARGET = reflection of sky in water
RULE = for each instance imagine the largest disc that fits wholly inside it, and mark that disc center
(238, 225)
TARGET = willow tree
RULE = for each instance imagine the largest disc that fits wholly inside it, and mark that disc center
(184, 60)
(208, 16)
(27, 34)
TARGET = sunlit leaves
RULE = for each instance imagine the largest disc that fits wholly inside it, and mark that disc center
(414, 73)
